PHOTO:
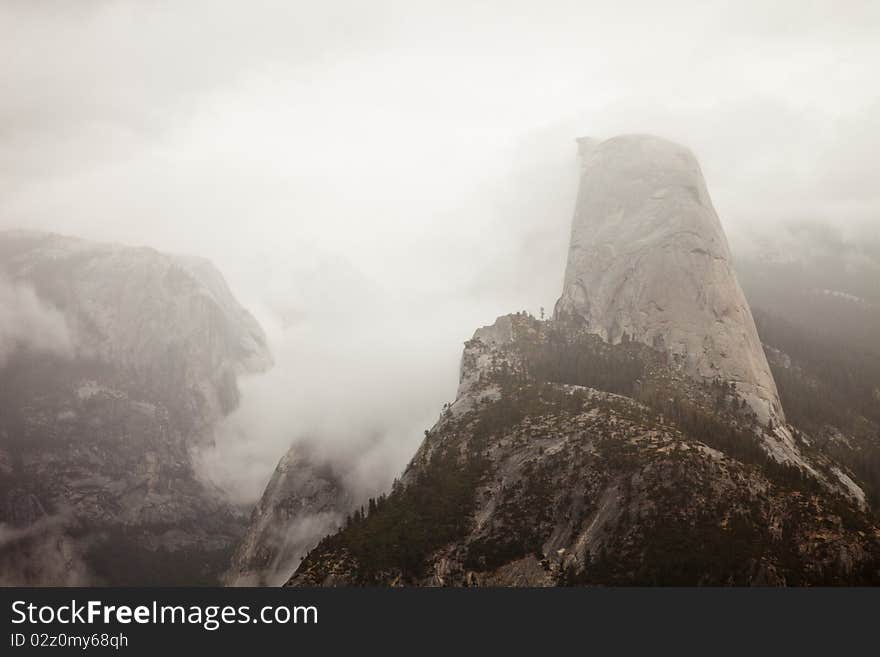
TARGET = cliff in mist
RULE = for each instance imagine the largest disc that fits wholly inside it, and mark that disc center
(305, 500)
(635, 438)
(122, 359)
(816, 298)
(649, 261)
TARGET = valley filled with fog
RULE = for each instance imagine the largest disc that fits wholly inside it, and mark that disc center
(374, 182)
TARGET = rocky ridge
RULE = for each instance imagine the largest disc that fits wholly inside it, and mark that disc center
(649, 261)
(567, 460)
(304, 500)
(636, 438)
(96, 438)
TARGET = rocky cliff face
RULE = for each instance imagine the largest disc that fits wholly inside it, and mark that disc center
(171, 320)
(636, 438)
(649, 261)
(566, 460)
(304, 501)
(136, 359)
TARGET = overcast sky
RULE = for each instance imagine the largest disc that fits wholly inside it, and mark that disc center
(377, 179)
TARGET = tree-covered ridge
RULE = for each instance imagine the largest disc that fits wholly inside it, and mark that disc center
(831, 391)
(596, 464)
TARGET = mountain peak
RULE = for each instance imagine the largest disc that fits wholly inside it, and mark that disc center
(649, 261)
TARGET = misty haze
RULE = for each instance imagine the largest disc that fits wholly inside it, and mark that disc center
(493, 294)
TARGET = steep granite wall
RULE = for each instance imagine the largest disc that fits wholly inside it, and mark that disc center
(649, 261)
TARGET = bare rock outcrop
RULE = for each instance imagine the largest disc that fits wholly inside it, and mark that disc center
(635, 438)
(123, 361)
(545, 471)
(649, 261)
(304, 500)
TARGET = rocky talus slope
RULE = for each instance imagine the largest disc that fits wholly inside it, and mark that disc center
(97, 424)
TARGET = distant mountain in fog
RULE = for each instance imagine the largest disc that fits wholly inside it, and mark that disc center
(816, 299)
(657, 430)
(97, 430)
(305, 500)
(813, 276)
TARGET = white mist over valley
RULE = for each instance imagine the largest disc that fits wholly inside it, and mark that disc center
(375, 181)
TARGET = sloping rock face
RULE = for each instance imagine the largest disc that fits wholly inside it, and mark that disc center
(122, 361)
(171, 320)
(649, 261)
(566, 460)
(305, 500)
(635, 438)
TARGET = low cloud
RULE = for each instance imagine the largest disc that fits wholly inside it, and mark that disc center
(28, 323)
(375, 183)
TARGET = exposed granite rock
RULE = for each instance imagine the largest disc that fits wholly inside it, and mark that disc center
(636, 438)
(649, 261)
(303, 501)
(548, 482)
(100, 434)
(170, 320)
